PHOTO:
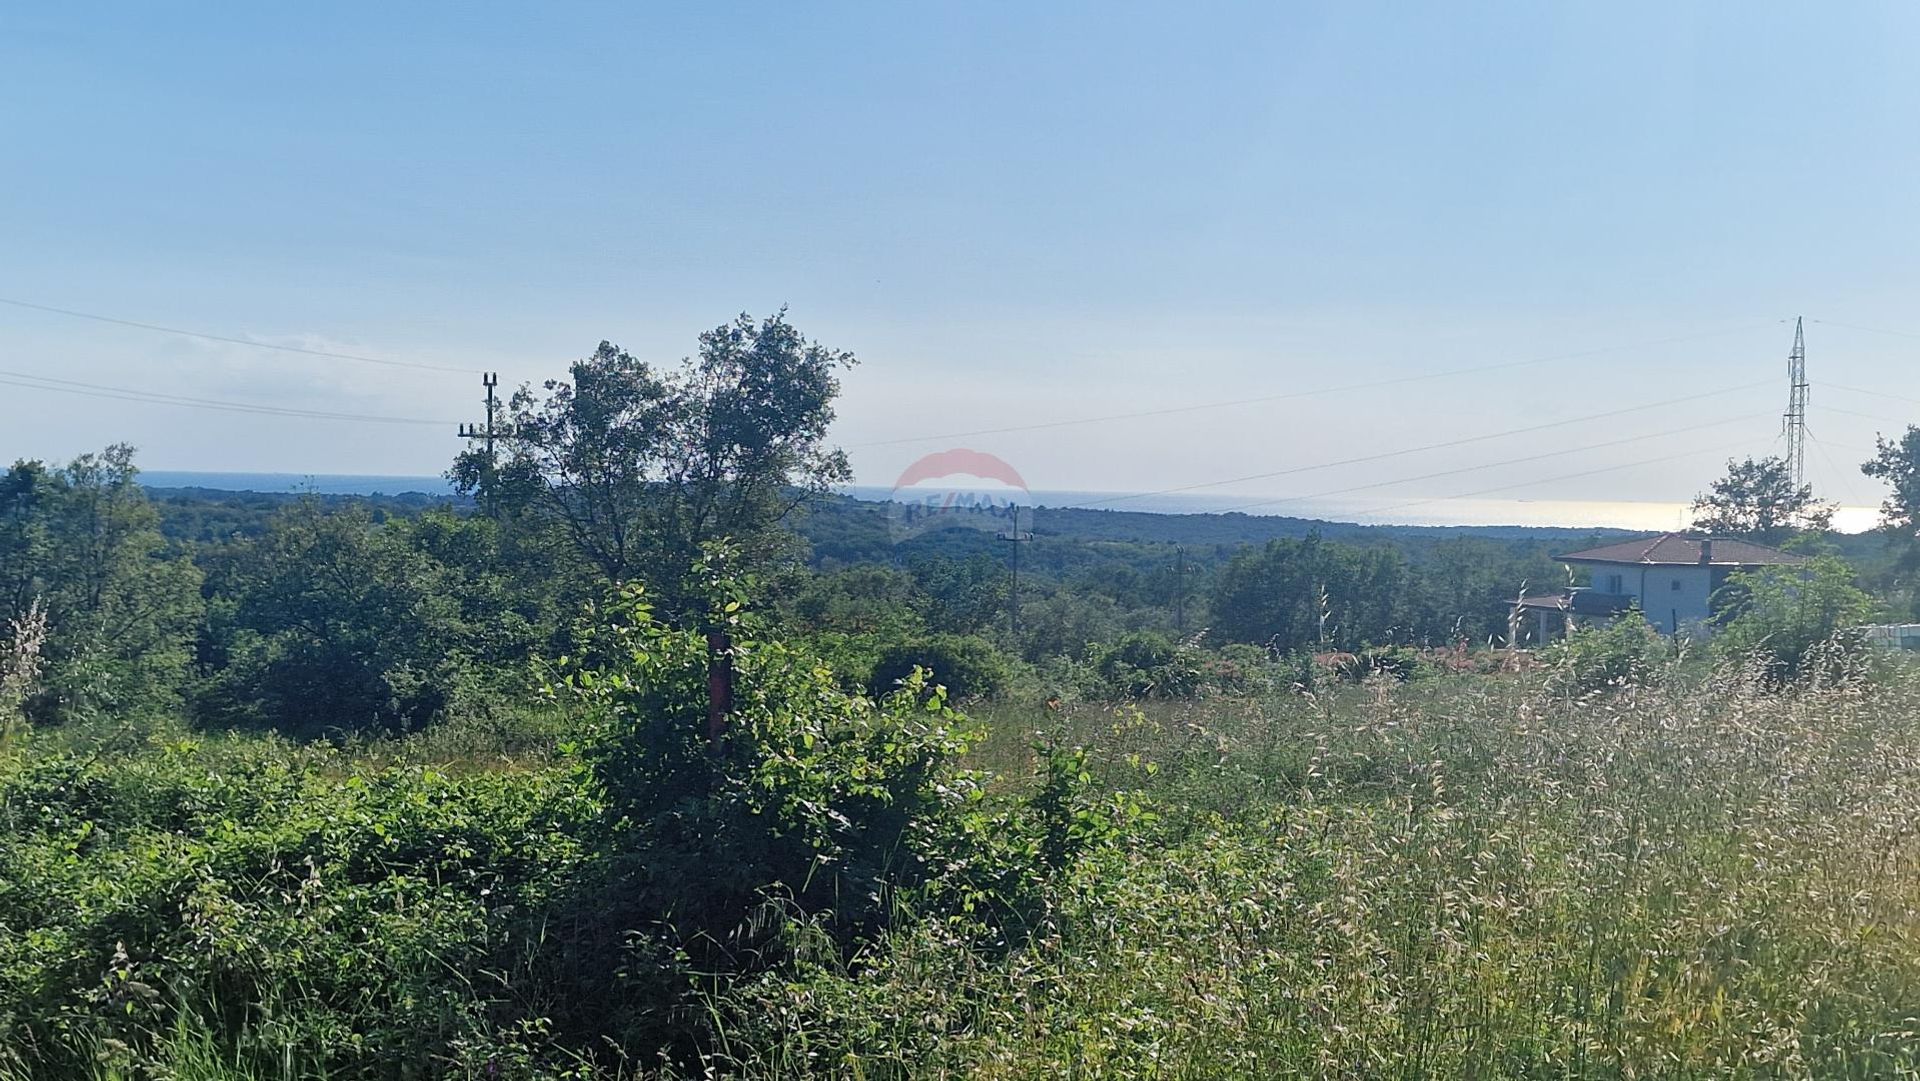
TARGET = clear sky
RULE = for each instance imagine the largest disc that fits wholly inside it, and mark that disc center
(1013, 214)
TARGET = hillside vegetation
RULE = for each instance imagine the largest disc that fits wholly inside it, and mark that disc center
(1476, 876)
(652, 761)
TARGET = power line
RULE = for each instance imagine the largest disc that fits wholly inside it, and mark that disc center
(1845, 478)
(230, 340)
(1495, 465)
(147, 398)
(1863, 416)
(1868, 393)
(128, 394)
(1382, 456)
(1343, 388)
(1555, 480)
(1869, 330)
(1852, 447)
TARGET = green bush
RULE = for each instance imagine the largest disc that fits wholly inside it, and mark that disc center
(1797, 623)
(1239, 669)
(967, 666)
(1394, 662)
(810, 803)
(357, 921)
(1626, 650)
(1143, 664)
(330, 624)
(249, 900)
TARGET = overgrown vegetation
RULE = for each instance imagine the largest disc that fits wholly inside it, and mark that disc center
(1459, 877)
(603, 775)
(1623, 652)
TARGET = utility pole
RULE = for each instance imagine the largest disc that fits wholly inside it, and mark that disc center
(1016, 538)
(471, 432)
(1796, 416)
(1179, 589)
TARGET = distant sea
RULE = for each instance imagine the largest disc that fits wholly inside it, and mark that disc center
(281, 483)
(1445, 512)
(1437, 512)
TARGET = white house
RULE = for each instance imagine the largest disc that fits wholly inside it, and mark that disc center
(1673, 579)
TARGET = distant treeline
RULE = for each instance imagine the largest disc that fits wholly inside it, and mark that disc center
(329, 614)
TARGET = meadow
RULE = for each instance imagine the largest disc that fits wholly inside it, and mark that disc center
(1469, 876)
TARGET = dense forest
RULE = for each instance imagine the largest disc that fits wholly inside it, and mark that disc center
(304, 613)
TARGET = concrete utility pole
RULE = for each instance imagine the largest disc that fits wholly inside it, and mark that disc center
(1179, 589)
(471, 432)
(1796, 416)
(1016, 538)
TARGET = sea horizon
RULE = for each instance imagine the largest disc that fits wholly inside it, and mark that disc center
(1460, 513)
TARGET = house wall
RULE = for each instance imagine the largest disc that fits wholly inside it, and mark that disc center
(1611, 579)
(1675, 599)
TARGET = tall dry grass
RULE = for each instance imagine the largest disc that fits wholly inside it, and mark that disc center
(1475, 879)
(20, 667)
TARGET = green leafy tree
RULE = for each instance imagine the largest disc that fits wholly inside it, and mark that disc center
(1462, 588)
(28, 495)
(1897, 462)
(1304, 594)
(640, 467)
(1066, 622)
(968, 596)
(1758, 500)
(329, 623)
(863, 600)
(83, 544)
(1800, 621)
(516, 593)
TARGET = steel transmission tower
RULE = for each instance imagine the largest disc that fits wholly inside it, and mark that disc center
(1796, 416)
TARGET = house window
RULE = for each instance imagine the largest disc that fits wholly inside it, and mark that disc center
(1613, 583)
(1676, 585)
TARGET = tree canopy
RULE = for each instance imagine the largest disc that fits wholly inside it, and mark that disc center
(641, 467)
(1759, 501)
(1897, 462)
(81, 545)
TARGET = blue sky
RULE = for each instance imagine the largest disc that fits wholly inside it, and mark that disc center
(1014, 214)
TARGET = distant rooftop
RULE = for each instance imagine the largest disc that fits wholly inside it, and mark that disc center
(1676, 549)
(1580, 602)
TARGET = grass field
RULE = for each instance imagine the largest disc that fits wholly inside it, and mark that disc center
(1456, 880)
(1467, 877)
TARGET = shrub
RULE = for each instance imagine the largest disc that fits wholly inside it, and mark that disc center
(1143, 664)
(1626, 650)
(1393, 662)
(265, 904)
(331, 624)
(811, 802)
(357, 921)
(1238, 668)
(969, 667)
(1796, 623)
